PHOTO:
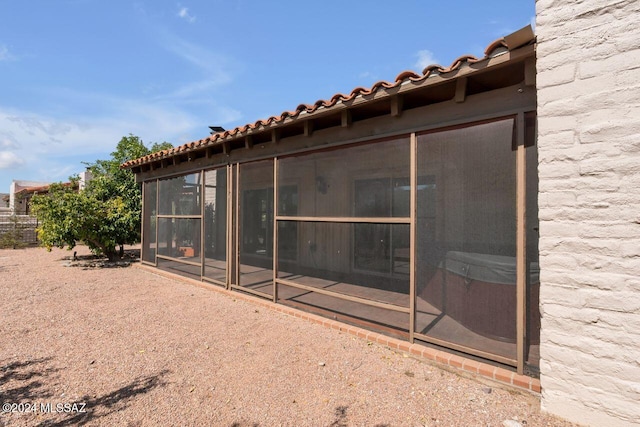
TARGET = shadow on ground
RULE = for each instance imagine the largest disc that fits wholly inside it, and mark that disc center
(32, 381)
(25, 380)
(86, 262)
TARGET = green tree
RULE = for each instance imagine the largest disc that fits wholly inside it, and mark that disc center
(106, 215)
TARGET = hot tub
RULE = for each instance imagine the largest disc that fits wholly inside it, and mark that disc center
(479, 292)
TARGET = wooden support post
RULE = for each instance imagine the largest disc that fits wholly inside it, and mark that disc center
(176, 160)
(237, 225)
(521, 241)
(203, 190)
(412, 235)
(346, 118)
(209, 152)
(226, 147)
(396, 106)
(155, 258)
(308, 128)
(229, 227)
(143, 223)
(275, 230)
(461, 90)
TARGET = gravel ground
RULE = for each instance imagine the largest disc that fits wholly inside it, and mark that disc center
(121, 346)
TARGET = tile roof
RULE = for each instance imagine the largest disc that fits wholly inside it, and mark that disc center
(40, 188)
(500, 46)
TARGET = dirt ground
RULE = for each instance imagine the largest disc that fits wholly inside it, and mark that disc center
(87, 343)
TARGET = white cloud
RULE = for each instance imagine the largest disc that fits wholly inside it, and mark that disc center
(37, 136)
(211, 63)
(215, 69)
(9, 160)
(190, 90)
(7, 140)
(5, 55)
(184, 14)
(47, 148)
(425, 58)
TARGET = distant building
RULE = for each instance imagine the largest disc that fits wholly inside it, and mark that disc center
(85, 177)
(4, 204)
(21, 192)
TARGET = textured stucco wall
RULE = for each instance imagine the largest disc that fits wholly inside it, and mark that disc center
(588, 82)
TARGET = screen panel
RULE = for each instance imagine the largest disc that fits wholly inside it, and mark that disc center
(180, 195)
(255, 229)
(354, 181)
(149, 221)
(466, 245)
(215, 224)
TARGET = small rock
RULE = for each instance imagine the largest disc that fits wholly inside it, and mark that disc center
(321, 363)
(92, 362)
(487, 390)
(511, 423)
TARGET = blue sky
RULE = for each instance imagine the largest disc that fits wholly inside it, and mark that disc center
(77, 75)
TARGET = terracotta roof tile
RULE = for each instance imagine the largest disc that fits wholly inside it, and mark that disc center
(495, 48)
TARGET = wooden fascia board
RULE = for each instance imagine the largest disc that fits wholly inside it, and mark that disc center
(483, 106)
(485, 65)
(465, 70)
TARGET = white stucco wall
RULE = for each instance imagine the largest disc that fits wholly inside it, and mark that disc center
(15, 206)
(588, 80)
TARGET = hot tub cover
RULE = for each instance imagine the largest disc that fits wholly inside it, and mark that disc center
(488, 268)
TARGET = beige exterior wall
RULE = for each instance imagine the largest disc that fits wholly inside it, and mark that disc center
(18, 206)
(588, 85)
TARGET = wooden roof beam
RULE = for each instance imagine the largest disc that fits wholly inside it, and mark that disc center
(396, 106)
(275, 135)
(346, 119)
(308, 128)
(530, 71)
(461, 90)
